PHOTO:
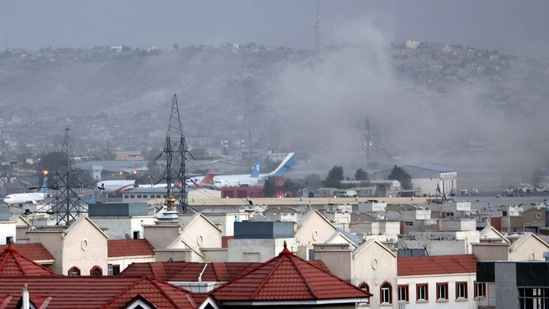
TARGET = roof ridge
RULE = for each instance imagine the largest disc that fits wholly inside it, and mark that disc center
(156, 283)
(302, 275)
(276, 266)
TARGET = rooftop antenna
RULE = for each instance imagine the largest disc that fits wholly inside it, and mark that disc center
(68, 204)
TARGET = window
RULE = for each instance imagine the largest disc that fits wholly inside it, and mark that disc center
(534, 298)
(385, 295)
(74, 271)
(442, 291)
(113, 269)
(9, 240)
(364, 286)
(403, 293)
(421, 292)
(461, 290)
(480, 290)
(409, 223)
(135, 234)
(96, 271)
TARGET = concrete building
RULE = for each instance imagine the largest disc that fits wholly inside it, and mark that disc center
(428, 179)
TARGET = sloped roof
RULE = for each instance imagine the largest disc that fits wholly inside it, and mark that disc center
(288, 278)
(92, 291)
(437, 265)
(34, 251)
(13, 264)
(189, 271)
(158, 293)
(129, 247)
(524, 238)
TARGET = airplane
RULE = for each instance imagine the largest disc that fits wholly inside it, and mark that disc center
(115, 186)
(192, 183)
(255, 178)
(31, 197)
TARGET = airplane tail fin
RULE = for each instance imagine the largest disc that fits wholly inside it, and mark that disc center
(284, 166)
(256, 168)
(208, 178)
(44, 188)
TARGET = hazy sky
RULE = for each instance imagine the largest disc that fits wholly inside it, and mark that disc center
(510, 26)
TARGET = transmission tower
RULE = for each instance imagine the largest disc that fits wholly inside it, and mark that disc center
(175, 149)
(68, 205)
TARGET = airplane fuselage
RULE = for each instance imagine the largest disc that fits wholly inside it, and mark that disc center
(24, 198)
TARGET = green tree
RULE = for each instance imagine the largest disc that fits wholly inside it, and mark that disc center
(361, 174)
(404, 178)
(335, 176)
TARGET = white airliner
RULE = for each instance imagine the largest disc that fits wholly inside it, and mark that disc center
(29, 198)
(117, 186)
(255, 178)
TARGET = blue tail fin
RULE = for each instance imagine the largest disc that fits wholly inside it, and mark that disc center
(284, 166)
(44, 188)
(256, 168)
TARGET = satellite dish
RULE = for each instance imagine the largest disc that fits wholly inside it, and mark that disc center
(127, 236)
(170, 260)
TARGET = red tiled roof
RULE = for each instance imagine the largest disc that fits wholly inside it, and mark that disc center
(34, 251)
(93, 291)
(13, 264)
(129, 247)
(437, 265)
(287, 277)
(159, 293)
(189, 271)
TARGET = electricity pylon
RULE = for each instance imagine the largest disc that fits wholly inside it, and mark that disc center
(67, 205)
(175, 150)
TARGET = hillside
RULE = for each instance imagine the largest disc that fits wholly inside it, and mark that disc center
(435, 102)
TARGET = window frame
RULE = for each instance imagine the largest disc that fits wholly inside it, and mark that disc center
(404, 289)
(442, 288)
(72, 269)
(483, 288)
(385, 293)
(96, 267)
(424, 286)
(461, 288)
(365, 287)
